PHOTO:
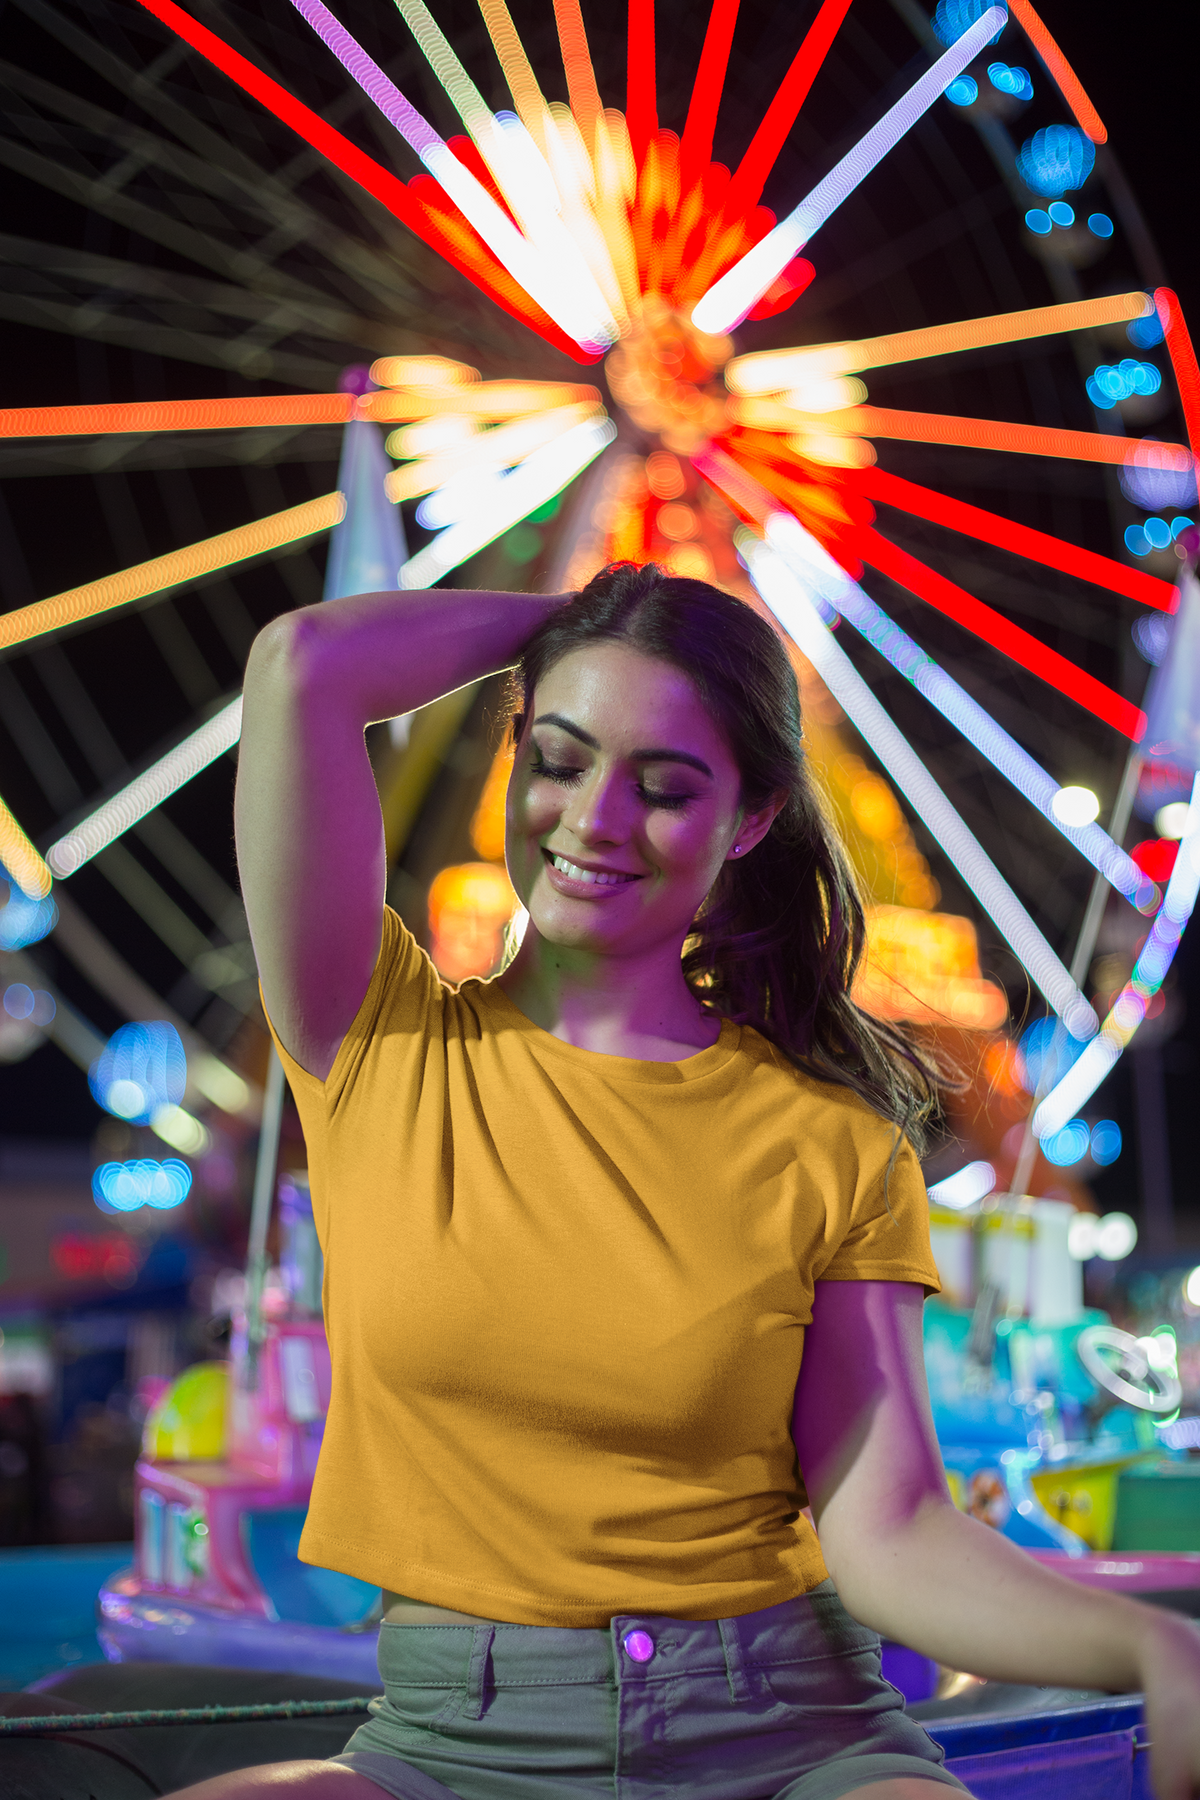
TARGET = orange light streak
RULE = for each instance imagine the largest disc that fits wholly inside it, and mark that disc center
(422, 371)
(518, 71)
(697, 141)
(946, 428)
(1061, 72)
(767, 371)
(641, 101)
(986, 623)
(1022, 540)
(173, 570)
(751, 173)
(1183, 360)
(485, 400)
(577, 62)
(176, 415)
(500, 448)
(20, 858)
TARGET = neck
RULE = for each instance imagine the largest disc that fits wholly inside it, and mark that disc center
(637, 1005)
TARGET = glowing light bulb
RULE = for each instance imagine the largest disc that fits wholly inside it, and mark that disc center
(1075, 806)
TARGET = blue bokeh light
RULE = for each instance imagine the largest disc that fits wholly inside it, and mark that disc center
(952, 17)
(1145, 333)
(141, 1068)
(1106, 1142)
(1152, 482)
(1056, 159)
(1109, 383)
(1061, 213)
(1181, 522)
(1158, 533)
(1048, 1050)
(964, 91)
(124, 1187)
(1102, 226)
(1151, 633)
(1070, 1145)
(1039, 221)
(23, 920)
(1136, 541)
(1010, 81)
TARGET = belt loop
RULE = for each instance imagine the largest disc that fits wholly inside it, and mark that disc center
(735, 1668)
(481, 1649)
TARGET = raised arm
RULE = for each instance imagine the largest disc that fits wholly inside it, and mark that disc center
(309, 830)
(907, 1563)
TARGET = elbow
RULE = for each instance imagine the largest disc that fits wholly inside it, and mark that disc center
(285, 656)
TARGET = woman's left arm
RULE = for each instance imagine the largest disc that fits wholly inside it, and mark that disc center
(907, 1563)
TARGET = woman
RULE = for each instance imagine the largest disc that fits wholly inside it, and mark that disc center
(581, 1220)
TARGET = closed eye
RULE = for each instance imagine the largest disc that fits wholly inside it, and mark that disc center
(566, 775)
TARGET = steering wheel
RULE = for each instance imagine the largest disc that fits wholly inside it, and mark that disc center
(1130, 1378)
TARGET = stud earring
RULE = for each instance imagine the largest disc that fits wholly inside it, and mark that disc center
(737, 849)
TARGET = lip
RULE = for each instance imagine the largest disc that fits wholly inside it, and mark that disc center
(586, 890)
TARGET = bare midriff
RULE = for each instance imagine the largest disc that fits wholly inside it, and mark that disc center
(398, 1609)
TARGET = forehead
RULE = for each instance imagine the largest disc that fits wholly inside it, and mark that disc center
(627, 701)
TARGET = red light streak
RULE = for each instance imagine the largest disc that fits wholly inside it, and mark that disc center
(641, 103)
(697, 143)
(1183, 360)
(1061, 72)
(784, 289)
(1004, 534)
(780, 116)
(462, 247)
(1021, 646)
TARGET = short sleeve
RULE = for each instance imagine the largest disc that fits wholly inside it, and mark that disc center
(404, 990)
(888, 1234)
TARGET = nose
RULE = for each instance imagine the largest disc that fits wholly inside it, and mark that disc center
(598, 812)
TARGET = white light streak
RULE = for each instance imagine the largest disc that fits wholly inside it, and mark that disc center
(542, 475)
(729, 300)
(963, 1188)
(1129, 1008)
(788, 600)
(812, 563)
(147, 791)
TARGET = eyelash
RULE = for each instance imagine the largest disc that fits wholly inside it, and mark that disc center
(566, 777)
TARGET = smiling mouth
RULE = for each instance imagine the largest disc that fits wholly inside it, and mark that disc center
(591, 877)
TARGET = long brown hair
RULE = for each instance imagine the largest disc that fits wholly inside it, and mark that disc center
(780, 936)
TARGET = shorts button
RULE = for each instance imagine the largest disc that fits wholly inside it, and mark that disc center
(638, 1646)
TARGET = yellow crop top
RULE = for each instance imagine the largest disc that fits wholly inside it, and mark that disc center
(566, 1296)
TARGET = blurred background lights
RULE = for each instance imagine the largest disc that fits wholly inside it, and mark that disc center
(1056, 159)
(1010, 81)
(952, 17)
(1102, 226)
(34, 1004)
(1169, 822)
(1151, 634)
(1151, 481)
(126, 1186)
(1047, 1050)
(1039, 221)
(141, 1070)
(1191, 1289)
(964, 1187)
(1070, 1145)
(1075, 806)
(1106, 1142)
(1109, 383)
(1144, 333)
(23, 920)
(1154, 533)
(1110, 1238)
(963, 92)
(1061, 213)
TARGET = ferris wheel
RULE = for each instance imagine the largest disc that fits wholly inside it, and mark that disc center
(932, 405)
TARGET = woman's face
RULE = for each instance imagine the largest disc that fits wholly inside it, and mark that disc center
(624, 803)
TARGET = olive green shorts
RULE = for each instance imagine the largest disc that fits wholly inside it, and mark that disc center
(783, 1704)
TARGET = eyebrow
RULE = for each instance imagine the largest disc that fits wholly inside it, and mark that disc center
(661, 754)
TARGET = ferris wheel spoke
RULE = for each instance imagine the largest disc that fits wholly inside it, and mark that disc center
(994, 629)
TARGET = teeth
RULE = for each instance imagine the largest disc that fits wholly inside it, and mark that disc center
(597, 878)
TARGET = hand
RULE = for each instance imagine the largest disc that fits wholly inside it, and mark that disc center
(1169, 1664)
